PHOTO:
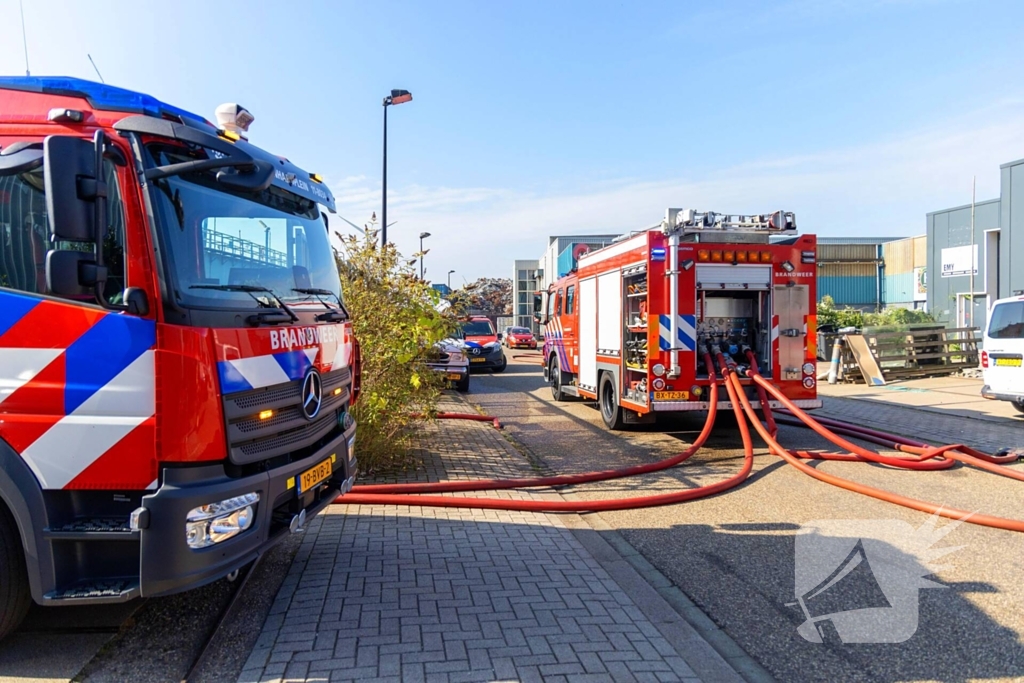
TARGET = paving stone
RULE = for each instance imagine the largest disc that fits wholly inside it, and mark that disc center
(399, 593)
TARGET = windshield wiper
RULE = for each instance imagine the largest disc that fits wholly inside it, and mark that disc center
(333, 314)
(259, 318)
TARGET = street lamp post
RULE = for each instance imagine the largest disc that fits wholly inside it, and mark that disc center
(396, 97)
(450, 279)
(423, 236)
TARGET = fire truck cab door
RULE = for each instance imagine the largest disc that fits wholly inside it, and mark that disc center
(791, 311)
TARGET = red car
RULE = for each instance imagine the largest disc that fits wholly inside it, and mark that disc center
(519, 338)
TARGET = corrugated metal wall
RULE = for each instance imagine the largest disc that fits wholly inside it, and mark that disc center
(848, 272)
(901, 259)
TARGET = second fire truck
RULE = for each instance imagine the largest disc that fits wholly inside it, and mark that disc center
(629, 327)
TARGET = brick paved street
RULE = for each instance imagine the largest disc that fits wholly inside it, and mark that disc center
(421, 594)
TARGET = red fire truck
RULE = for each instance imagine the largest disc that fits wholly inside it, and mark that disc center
(176, 364)
(629, 326)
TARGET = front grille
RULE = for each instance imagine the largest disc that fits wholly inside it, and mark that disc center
(251, 439)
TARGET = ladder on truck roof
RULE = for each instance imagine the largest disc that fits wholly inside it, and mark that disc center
(708, 226)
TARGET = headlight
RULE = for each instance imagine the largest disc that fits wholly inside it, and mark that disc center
(490, 346)
(216, 522)
(455, 357)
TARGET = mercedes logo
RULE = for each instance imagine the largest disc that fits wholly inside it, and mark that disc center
(312, 394)
(475, 350)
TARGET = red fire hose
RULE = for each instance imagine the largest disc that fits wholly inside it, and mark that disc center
(888, 496)
(381, 498)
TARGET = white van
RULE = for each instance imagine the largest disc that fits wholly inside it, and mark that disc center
(1003, 357)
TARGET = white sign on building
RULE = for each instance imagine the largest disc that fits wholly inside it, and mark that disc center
(960, 261)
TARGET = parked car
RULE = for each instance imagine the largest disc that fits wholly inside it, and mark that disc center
(483, 345)
(519, 338)
(1002, 360)
(449, 357)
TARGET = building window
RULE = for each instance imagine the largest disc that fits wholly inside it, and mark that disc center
(522, 285)
(522, 297)
(522, 274)
(524, 309)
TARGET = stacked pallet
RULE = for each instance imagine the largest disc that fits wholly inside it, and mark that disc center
(876, 357)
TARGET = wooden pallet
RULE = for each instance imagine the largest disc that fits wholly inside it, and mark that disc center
(909, 354)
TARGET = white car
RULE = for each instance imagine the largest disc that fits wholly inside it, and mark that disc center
(1002, 359)
(449, 356)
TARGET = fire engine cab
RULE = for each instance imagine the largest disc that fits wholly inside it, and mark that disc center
(629, 327)
(176, 363)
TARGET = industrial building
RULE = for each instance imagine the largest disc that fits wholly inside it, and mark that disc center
(524, 286)
(969, 260)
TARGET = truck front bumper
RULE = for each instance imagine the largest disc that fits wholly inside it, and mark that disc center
(169, 565)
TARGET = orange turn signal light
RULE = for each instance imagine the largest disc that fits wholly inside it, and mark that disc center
(741, 257)
(766, 257)
(729, 256)
(266, 414)
(716, 256)
(703, 255)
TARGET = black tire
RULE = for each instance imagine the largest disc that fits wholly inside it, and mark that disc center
(462, 386)
(15, 598)
(555, 378)
(1019, 405)
(608, 402)
(504, 364)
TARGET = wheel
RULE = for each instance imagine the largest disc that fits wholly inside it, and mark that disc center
(462, 386)
(15, 598)
(555, 377)
(1019, 405)
(504, 364)
(608, 400)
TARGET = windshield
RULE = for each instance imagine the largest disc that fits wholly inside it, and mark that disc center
(477, 328)
(212, 237)
(1007, 321)
(519, 330)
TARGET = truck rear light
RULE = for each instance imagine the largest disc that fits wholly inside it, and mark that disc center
(703, 255)
(766, 257)
(741, 257)
(210, 524)
(716, 256)
(729, 256)
(984, 359)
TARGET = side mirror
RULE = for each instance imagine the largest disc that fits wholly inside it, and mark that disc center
(499, 336)
(256, 180)
(68, 271)
(136, 300)
(540, 307)
(72, 188)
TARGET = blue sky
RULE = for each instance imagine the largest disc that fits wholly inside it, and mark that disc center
(533, 119)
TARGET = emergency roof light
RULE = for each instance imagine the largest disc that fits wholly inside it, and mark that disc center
(234, 118)
(98, 95)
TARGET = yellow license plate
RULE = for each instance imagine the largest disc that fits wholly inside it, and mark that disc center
(1008, 362)
(314, 475)
(671, 395)
(454, 376)
(477, 360)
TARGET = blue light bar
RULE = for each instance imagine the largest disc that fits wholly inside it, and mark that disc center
(100, 96)
(658, 254)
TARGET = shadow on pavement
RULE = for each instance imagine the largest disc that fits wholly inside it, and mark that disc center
(734, 572)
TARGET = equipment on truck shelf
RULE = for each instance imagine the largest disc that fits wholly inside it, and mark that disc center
(627, 327)
(176, 363)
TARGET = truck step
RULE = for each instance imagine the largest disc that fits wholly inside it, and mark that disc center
(92, 528)
(97, 590)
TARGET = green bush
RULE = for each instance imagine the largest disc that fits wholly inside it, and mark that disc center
(395, 320)
(828, 314)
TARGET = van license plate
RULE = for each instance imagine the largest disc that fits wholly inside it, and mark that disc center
(477, 360)
(671, 395)
(1008, 362)
(454, 376)
(315, 475)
